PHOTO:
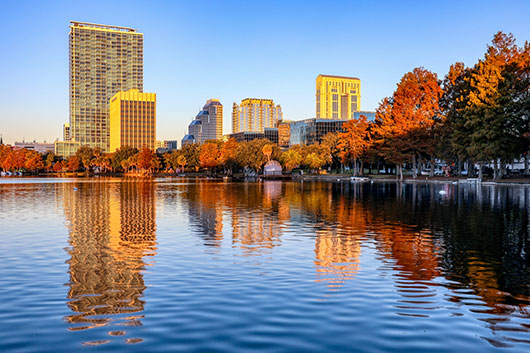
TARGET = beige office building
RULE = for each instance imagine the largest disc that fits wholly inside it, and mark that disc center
(337, 97)
(254, 115)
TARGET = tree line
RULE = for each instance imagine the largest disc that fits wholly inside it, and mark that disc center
(477, 115)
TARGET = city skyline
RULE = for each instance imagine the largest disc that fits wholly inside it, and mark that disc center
(287, 74)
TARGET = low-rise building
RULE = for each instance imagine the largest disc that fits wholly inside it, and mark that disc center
(41, 147)
(311, 131)
(166, 146)
(66, 149)
(270, 134)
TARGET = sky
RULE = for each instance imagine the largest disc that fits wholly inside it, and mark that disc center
(231, 50)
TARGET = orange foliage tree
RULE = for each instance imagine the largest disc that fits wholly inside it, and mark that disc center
(354, 142)
(74, 164)
(33, 161)
(229, 154)
(404, 122)
(210, 156)
(145, 161)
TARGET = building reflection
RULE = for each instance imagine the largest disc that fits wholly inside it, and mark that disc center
(112, 235)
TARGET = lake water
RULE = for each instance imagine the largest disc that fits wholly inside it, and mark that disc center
(187, 265)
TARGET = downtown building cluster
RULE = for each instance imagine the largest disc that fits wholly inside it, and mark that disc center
(338, 99)
(108, 108)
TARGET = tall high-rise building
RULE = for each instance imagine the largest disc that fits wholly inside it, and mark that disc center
(208, 124)
(337, 97)
(133, 120)
(254, 115)
(103, 61)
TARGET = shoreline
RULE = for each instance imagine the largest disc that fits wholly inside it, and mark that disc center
(285, 177)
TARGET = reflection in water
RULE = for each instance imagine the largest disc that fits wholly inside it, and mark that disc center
(471, 240)
(112, 230)
(467, 248)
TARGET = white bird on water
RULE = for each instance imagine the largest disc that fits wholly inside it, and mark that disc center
(442, 192)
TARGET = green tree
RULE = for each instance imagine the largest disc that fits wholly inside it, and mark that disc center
(121, 154)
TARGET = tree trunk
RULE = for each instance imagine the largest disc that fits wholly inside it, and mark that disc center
(526, 164)
(431, 166)
(361, 167)
(480, 171)
(414, 171)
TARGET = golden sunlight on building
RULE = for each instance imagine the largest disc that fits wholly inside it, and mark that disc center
(103, 60)
(337, 97)
(133, 120)
(254, 114)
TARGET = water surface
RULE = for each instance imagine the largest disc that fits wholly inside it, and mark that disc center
(188, 265)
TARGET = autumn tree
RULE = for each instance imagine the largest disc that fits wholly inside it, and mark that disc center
(209, 156)
(33, 161)
(330, 145)
(229, 154)
(50, 159)
(250, 154)
(58, 166)
(145, 160)
(496, 113)
(74, 164)
(354, 142)
(291, 159)
(182, 162)
(405, 120)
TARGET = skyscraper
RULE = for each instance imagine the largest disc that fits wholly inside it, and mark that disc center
(337, 97)
(208, 124)
(103, 61)
(254, 114)
(133, 120)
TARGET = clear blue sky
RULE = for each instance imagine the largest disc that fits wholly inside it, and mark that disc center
(195, 50)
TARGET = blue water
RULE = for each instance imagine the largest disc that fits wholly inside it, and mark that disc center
(189, 265)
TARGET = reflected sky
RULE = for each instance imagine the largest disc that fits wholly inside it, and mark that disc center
(199, 265)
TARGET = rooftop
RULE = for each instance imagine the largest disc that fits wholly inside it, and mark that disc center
(346, 77)
(100, 26)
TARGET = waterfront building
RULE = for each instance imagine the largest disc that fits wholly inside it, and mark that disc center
(103, 61)
(254, 114)
(311, 131)
(337, 97)
(270, 134)
(66, 132)
(133, 120)
(66, 149)
(41, 147)
(208, 124)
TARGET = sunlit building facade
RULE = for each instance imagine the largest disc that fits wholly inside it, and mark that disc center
(66, 149)
(337, 97)
(254, 114)
(133, 120)
(103, 61)
(208, 124)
